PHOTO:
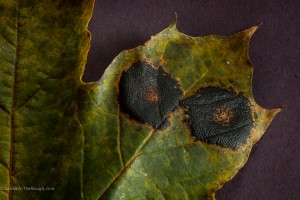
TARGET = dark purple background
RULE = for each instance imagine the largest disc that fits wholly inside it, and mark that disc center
(273, 169)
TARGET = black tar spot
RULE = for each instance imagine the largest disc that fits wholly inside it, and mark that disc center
(218, 116)
(148, 95)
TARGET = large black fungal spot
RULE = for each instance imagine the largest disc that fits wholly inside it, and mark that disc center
(148, 94)
(219, 116)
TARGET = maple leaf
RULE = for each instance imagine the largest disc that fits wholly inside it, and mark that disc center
(174, 118)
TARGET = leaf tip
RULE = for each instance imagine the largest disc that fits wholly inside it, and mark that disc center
(273, 112)
(270, 114)
(174, 23)
(250, 31)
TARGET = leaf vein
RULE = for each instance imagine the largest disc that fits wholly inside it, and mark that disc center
(128, 164)
(13, 102)
(2, 108)
(120, 142)
(5, 166)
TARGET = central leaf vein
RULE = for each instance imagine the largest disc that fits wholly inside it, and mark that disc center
(13, 103)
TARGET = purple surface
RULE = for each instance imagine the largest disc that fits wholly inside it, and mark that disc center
(273, 169)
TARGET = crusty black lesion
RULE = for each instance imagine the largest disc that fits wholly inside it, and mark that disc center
(148, 94)
(219, 116)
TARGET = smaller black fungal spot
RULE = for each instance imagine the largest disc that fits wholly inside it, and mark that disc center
(148, 94)
(219, 116)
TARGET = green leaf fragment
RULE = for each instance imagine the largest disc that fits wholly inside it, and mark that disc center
(44, 45)
(85, 139)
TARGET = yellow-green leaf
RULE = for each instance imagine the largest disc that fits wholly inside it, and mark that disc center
(137, 158)
(174, 118)
(43, 49)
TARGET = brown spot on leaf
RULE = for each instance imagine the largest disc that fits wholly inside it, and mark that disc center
(223, 115)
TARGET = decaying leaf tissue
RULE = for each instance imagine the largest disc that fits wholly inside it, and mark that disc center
(174, 118)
